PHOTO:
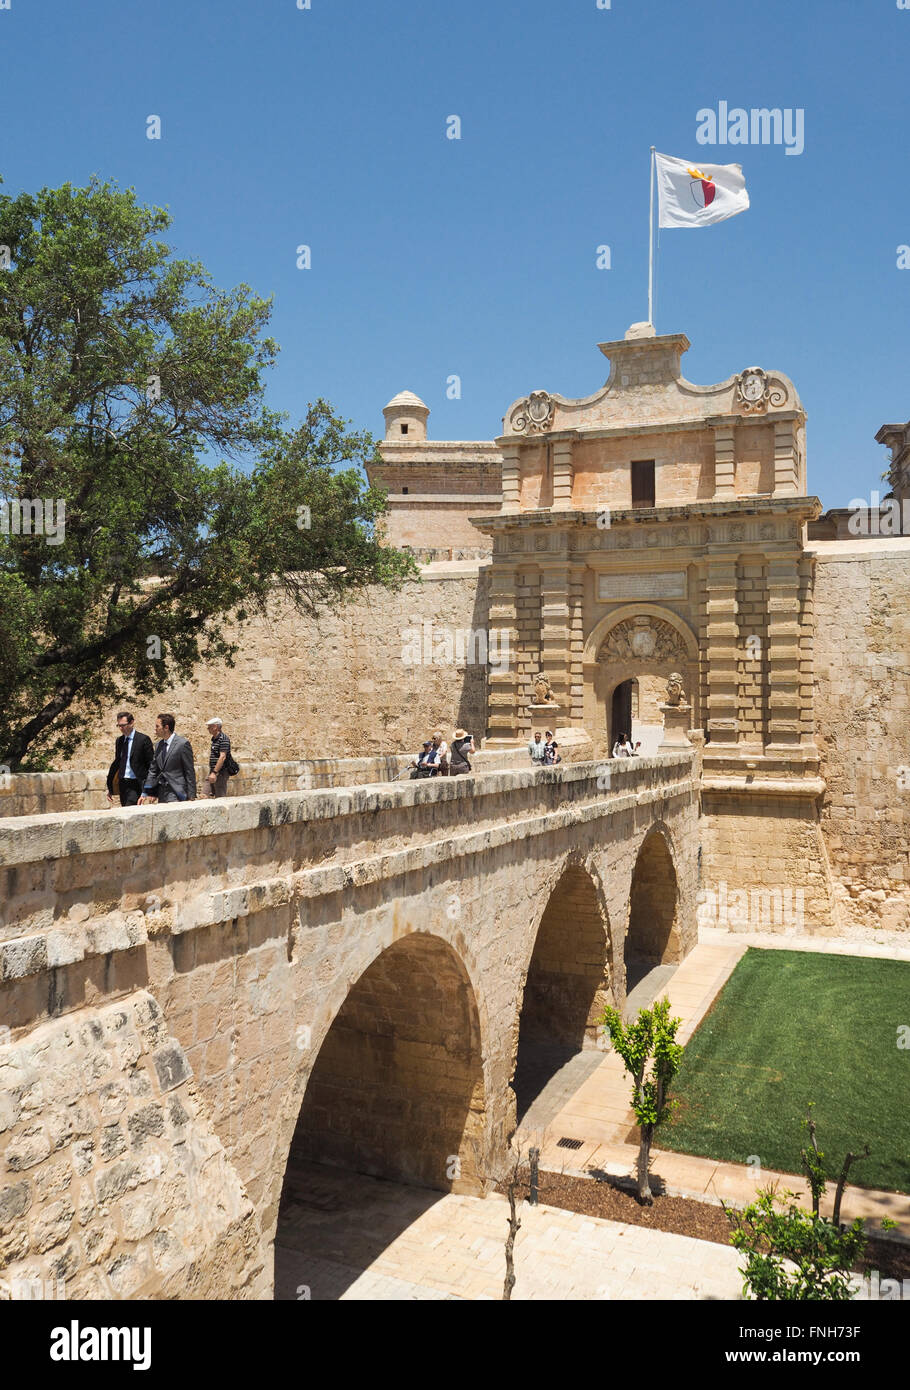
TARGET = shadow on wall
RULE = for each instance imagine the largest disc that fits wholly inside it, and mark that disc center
(568, 984)
(396, 1094)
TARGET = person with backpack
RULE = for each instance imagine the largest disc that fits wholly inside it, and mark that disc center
(462, 745)
(221, 763)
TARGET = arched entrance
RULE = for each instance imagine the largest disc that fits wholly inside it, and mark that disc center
(628, 657)
(624, 710)
(396, 1094)
(652, 939)
(567, 986)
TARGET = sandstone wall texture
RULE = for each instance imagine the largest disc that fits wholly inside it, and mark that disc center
(862, 708)
(764, 865)
(113, 1183)
(369, 679)
(232, 934)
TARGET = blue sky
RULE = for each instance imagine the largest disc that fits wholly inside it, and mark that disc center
(476, 257)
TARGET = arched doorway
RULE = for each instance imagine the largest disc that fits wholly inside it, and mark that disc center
(624, 710)
(396, 1095)
(567, 986)
(652, 941)
(631, 652)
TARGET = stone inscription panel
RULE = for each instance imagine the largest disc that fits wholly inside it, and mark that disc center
(667, 584)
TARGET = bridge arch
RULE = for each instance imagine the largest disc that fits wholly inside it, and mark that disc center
(567, 983)
(653, 933)
(397, 1089)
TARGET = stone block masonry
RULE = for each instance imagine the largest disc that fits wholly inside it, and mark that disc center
(113, 1182)
(336, 688)
(862, 713)
(224, 954)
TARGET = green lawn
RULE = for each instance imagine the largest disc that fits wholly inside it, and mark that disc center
(791, 1027)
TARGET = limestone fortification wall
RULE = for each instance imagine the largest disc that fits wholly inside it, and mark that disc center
(862, 710)
(346, 686)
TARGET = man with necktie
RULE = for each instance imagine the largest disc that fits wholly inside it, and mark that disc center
(132, 756)
(172, 774)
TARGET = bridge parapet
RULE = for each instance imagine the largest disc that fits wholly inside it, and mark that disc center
(85, 884)
(49, 793)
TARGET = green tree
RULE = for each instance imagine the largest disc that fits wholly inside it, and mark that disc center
(652, 1057)
(793, 1253)
(131, 395)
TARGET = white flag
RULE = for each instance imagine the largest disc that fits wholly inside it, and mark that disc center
(695, 195)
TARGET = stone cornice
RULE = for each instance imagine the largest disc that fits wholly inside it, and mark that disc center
(618, 348)
(792, 508)
(670, 426)
(400, 452)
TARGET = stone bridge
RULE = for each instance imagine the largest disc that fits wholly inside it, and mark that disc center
(196, 1001)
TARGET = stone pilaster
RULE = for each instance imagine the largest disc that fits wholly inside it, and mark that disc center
(554, 630)
(786, 463)
(724, 462)
(503, 721)
(511, 477)
(807, 651)
(576, 711)
(784, 727)
(562, 474)
(723, 657)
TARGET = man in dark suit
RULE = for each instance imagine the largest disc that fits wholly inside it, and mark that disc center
(172, 774)
(132, 756)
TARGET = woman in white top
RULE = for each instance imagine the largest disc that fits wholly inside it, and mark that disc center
(622, 748)
(441, 749)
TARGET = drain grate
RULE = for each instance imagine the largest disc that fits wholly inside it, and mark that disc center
(569, 1143)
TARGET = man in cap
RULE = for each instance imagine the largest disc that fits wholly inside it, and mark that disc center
(216, 784)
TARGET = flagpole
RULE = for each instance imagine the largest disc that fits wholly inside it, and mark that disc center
(651, 247)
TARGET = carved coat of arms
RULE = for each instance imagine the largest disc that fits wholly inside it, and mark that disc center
(643, 639)
(755, 391)
(533, 413)
(643, 642)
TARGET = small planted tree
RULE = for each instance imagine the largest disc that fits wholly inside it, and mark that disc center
(793, 1253)
(813, 1163)
(652, 1057)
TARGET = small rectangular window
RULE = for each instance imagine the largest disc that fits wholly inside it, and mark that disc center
(404, 429)
(642, 482)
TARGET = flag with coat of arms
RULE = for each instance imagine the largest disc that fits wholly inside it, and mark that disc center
(696, 195)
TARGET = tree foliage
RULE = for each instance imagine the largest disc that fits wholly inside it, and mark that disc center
(131, 389)
(652, 1057)
(793, 1253)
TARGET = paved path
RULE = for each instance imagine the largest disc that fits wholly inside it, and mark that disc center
(598, 1113)
(379, 1240)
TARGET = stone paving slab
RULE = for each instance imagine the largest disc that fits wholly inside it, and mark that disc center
(452, 1246)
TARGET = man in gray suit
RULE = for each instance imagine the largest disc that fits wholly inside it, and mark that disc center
(172, 774)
